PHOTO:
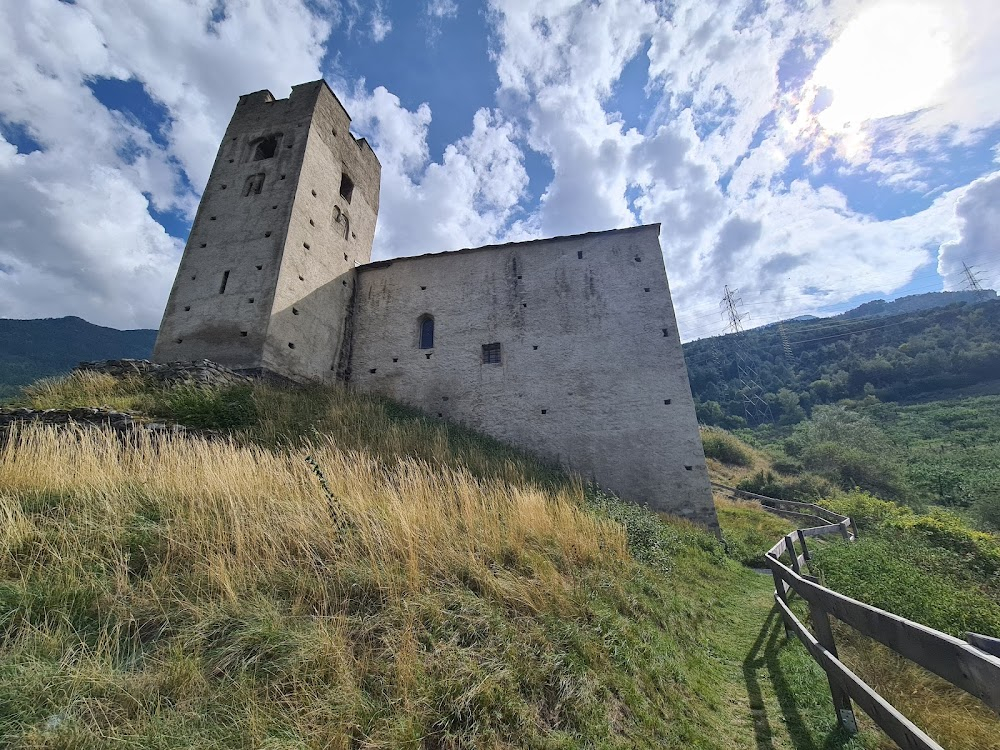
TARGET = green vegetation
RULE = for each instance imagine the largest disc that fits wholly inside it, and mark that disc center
(724, 447)
(450, 592)
(922, 354)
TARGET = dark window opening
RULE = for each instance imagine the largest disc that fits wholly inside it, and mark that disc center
(534, 347)
(253, 185)
(260, 268)
(312, 223)
(345, 256)
(243, 333)
(225, 280)
(295, 311)
(524, 304)
(344, 282)
(291, 345)
(187, 308)
(193, 278)
(204, 244)
(346, 187)
(491, 354)
(665, 332)
(224, 186)
(518, 278)
(179, 341)
(638, 259)
(212, 218)
(265, 148)
(423, 288)
(267, 234)
(688, 468)
(545, 411)
(395, 359)
(579, 253)
(427, 332)
(444, 398)
(250, 300)
(666, 401)
(428, 355)
(372, 371)
(305, 245)
(647, 288)
(314, 193)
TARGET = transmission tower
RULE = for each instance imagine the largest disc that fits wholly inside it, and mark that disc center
(757, 410)
(970, 278)
(786, 345)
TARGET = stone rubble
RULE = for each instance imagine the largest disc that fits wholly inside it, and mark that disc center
(201, 372)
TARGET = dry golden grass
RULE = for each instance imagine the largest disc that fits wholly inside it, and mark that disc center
(230, 512)
(955, 719)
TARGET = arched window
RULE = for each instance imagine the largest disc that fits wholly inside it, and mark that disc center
(340, 217)
(426, 332)
(253, 185)
(265, 148)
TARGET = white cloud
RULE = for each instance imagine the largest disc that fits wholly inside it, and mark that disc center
(78, 236)
(441, 8)
(978, 213)
(465, 200)
(381, 25)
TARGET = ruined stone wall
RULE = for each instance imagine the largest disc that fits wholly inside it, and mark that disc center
(265, 279)
(591, 371)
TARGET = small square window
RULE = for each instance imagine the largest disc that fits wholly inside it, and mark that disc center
(346, 187)
(491, 354)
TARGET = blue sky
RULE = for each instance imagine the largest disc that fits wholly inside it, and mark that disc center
(813, 154)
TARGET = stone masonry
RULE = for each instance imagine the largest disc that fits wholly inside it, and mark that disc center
(567, 347)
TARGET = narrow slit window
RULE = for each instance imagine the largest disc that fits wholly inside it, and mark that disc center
(491, 354)
(265, 148)
(346, 187)
(225, 281)
(427, 332)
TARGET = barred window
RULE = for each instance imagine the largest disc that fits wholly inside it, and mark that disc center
(491, 354)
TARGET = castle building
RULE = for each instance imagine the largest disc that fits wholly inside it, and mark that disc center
(567, 347)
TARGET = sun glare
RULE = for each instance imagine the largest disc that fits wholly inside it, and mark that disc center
(893, 58)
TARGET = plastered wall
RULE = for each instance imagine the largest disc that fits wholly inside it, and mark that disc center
(591, 375)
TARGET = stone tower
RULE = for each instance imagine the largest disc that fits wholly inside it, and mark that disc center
(268, 273)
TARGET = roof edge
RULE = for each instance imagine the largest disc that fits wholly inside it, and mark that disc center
(558, 238)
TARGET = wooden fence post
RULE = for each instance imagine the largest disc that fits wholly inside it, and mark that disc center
(841, 700)
(792, 554)
(805, 549)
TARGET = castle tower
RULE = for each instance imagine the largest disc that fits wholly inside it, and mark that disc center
(268, 272)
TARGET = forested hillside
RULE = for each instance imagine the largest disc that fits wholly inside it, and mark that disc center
(921, 355)
(32, 349)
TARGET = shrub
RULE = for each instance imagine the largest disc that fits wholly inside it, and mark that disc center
(209, 408)
(806, 488)
(987, 512)
(724, 447)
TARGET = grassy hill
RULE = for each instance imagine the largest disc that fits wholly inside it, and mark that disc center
(436, 589)
(33, 349)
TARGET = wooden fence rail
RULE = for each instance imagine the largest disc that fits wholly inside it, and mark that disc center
(973, 666)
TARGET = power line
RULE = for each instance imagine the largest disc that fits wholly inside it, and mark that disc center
(971, 279)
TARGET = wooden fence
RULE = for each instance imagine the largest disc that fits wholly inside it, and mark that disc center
(973, 666)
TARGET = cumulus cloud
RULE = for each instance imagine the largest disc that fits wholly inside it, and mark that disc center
(466, 199)
(78, 234)
(978, 213)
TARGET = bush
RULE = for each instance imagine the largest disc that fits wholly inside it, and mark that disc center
(987, 512)
(209, 408)
(724, 447)
(806, 488)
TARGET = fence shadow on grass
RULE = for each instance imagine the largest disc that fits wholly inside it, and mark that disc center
(764, 655)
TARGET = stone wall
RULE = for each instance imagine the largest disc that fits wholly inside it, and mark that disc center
(203, 372)
(591, 372)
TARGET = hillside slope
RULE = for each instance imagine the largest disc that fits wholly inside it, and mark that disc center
(446, 592)
(925, 355)
(33, 349)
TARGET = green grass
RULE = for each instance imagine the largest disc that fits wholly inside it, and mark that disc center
(198, 594)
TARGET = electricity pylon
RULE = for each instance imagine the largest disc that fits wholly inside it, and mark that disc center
(757, 410)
